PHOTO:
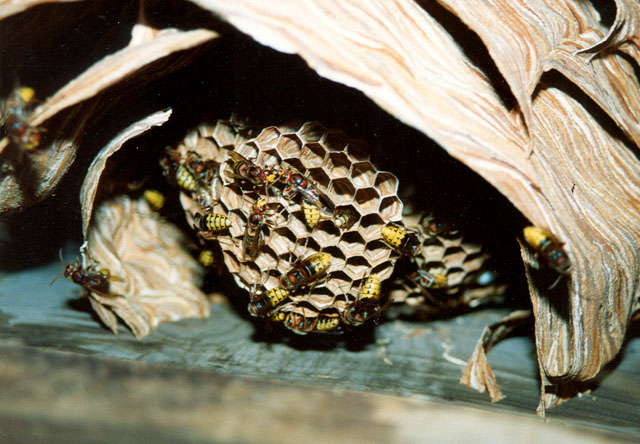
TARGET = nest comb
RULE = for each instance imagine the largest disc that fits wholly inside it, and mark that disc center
(340, 169)
(445, 251)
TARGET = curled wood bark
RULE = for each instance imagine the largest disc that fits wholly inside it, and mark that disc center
(582, 175)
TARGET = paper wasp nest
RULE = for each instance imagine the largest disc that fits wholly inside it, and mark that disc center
(445, 251)
(340, 169)
(153, 277)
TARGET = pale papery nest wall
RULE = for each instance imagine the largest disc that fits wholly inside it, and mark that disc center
(160, 278)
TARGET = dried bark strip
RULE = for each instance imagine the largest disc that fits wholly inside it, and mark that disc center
(529, 38)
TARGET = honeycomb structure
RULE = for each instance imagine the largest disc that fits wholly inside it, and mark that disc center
(347, 183)
(470, 284)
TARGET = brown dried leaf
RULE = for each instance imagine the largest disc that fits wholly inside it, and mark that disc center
(11, 7)
(118, 66)
(156, 280)
(580, 179)
(92, 179)
(478, 374)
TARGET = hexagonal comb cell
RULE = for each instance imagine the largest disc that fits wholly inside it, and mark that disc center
(335, 140)
(268, 159)
(358, 268)
(386, 183)
(338, 164)
(289, 146)
(353, 243)
(326, 233)
(343, 190)
(358, 150)
(249, 151)
(375, 251)
(319, 264)
(371, 227)
(311, 131)
(363, 174)
(312, 155)
(319, 176)
(368, 200)
(389, 207)
(268, 138)
(223, 133)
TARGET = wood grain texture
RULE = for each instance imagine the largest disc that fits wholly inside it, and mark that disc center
(174, 379)
(54, 396)
(579, 179)
(527, 39)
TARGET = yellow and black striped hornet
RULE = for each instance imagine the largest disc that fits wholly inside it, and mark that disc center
(311, 213)
(244, 169)
(343, 218)
(175, 172)
(426, 279)
(206, 258)
(546, 244)
(262, 304)
(368, 303)
(154, 198)
(210, 223)
(15, 114)
(312, 206)
(405, 242)
(191, 175)
(252, 239)
(203, 171)
(308, 270)
(322, 323)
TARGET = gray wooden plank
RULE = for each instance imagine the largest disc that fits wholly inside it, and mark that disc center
(75, 398)
(404, 358)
